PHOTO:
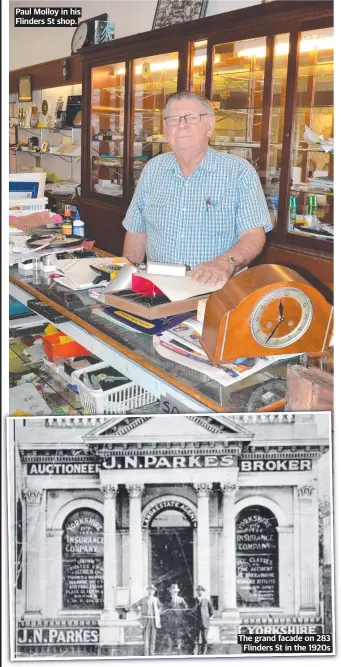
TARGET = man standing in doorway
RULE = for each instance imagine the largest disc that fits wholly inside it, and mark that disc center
(203, 611)
(149, 608)
(177, 606)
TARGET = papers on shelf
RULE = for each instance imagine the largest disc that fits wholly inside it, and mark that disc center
(169, 347)
(312, 137)
(321, 183)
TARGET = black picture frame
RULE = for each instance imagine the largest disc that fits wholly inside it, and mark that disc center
(171, 12)
(25, 88)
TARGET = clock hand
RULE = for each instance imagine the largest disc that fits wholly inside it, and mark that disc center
(281, 309)
(275, 329)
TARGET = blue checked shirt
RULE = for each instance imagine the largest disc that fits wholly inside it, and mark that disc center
(195, 219)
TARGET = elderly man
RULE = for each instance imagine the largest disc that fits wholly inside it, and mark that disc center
(194, 205)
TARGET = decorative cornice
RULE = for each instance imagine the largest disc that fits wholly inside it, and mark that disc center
(73, 422)
(273, 418)
(306, 491)
(109, 491)
(228, 489)
(116, 426)
(135, 490)
(32, 496)
(221, 426)
(202, 489)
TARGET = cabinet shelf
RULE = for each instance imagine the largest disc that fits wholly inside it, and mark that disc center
(255, 102)
(42, 153)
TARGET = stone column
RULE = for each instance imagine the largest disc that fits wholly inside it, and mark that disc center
(229, 547)
(135, 543)
(203, 535)
(308, 549)
(33, 533)
(286, 569)
(109, 492)
(54, 572)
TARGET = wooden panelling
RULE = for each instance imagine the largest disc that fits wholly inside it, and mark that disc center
(225, 27)
(315, 267)
(103, 222)
(49, 74)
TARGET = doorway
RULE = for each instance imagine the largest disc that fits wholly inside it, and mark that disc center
(171, 554)
(171, 562)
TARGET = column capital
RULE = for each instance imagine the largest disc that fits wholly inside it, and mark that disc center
(135, 490)
(306, 491)
(228, 489)
(109, 491)
(33, 496)
(202, 489)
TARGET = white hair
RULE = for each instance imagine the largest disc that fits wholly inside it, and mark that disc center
(187, 95)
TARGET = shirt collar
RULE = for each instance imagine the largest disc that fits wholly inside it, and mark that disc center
(207, 163)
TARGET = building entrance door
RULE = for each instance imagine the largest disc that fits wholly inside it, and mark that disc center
(171, 562)
(171, 554)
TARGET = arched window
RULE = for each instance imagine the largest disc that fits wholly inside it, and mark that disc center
(257, 557)
(83, 544)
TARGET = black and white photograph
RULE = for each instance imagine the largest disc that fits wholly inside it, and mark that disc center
(174, 535)
(170, 12)
(104, 31)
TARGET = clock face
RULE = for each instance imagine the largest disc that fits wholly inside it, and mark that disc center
(281, 317)
(79, 37)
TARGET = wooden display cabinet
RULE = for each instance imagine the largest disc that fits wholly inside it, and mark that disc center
(268, 70)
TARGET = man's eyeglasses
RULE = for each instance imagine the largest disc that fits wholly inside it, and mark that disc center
(190, 118)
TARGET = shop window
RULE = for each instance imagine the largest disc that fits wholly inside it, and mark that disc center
(257, 558)
(83, 544)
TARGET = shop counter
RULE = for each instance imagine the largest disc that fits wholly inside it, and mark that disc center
(179, 389)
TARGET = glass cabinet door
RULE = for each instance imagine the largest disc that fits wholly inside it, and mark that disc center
(312, 183)
(154, 78)
(198, 67)
(271, 177)
(237, 96)
(107, 129)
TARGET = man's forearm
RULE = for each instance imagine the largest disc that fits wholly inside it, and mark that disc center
(248, 246)
(134, 247)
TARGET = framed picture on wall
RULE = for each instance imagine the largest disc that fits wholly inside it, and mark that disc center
(25, 88)
(170, 12)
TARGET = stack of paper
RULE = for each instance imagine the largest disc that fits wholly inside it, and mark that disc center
(181, 345)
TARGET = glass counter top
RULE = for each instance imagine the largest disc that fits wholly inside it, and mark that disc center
(81, 308)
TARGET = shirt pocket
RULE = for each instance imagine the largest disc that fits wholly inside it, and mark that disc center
(218, 215)
(157, 211)
(157, 200)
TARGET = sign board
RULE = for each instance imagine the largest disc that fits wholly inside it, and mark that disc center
(83, 544)
(279, 629)
(257, 558)
(133, 462)
(177, 505)
(44, 636)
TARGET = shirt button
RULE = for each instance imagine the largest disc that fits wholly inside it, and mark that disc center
(184, 210)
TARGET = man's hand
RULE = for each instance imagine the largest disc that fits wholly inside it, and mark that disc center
(215, 271)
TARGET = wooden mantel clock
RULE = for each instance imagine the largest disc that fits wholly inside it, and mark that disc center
(266, 310)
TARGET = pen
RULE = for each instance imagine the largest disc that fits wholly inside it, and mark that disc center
(208, 203)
